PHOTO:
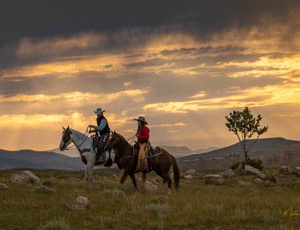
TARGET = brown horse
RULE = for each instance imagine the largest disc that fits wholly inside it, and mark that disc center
(159, 161)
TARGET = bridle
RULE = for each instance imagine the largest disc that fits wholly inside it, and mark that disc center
(78, 146)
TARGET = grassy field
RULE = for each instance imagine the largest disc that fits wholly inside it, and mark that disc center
(113, 206)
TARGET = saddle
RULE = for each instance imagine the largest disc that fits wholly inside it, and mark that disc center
(146, 151)
(96, 140)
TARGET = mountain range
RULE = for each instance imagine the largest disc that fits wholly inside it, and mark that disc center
(272, 151)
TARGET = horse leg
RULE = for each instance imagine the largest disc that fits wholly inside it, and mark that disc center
(134, 182)
(169, 181)
(90, 168)
(123, 178)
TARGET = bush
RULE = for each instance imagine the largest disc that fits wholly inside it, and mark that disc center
(55, 225)
(235, 165)
(254, 163)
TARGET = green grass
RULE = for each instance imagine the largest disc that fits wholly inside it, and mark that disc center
(114, 206)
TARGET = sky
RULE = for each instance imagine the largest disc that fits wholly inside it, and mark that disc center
(184, 65)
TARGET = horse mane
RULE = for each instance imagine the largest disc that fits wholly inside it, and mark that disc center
(124, 141)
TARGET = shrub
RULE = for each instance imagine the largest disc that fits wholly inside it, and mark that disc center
(254, 163)
(55, 225)
(235, 165)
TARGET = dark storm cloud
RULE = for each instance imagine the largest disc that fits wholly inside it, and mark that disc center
(39, 19)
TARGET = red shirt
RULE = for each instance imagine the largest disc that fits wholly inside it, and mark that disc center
(143, 135)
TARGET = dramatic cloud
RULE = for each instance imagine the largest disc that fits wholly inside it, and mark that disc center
(184, 65)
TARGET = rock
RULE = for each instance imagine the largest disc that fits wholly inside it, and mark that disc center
(228, 173)
(214, 179)
(24, 177)
(258, 180)
(251, 170)
(261, 176)
(44, 189)
(244, 183)
(190, 172)
(3, 186)
(188, 177)
(80, 203)
(285, 169)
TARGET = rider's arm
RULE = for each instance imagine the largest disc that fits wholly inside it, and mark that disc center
(101, 125)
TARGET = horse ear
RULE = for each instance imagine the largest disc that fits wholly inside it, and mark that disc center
(63, 128)
(68, 127)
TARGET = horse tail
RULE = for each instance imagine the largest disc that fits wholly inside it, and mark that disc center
(176, 172)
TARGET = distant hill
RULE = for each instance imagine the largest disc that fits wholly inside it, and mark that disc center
(38, 160)
(199, 151)
(272, 151)
(69, 153)
(178, 151)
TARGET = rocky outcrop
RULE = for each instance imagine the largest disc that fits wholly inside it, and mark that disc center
(44, 189)
(251, 170)
(214, 179)
(188, 177)
(24, 177)
(228, 173)
(190, 172)
(80, 203)
(3, 186)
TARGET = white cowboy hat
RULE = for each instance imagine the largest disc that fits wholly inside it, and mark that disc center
(98, 111)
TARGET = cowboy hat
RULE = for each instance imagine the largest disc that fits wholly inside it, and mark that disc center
(98, 111)
(141, 119)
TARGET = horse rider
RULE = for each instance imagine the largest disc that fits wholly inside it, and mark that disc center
(142, 145)
(104, 130)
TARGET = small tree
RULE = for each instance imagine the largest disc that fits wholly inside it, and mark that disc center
(244, 125)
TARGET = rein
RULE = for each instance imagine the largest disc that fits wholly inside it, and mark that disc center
(72, 147)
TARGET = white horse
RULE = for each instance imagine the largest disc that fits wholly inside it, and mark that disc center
(84, 145)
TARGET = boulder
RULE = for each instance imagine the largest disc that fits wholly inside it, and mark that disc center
(285, 169)
(258, 180)
(228, 173)
(80, 203)
(44, 189)
(3, 186)
(188, 177)
(254, 171)
(214, 179)
(190, 172)
(24, 177)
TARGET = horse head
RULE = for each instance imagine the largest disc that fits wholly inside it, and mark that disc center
(65, 139)
(112, 142)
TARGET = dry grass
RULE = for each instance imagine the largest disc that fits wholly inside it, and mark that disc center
(113, 206)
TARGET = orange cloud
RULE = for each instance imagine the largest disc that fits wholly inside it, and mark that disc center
(77, 98)
(252, 97)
